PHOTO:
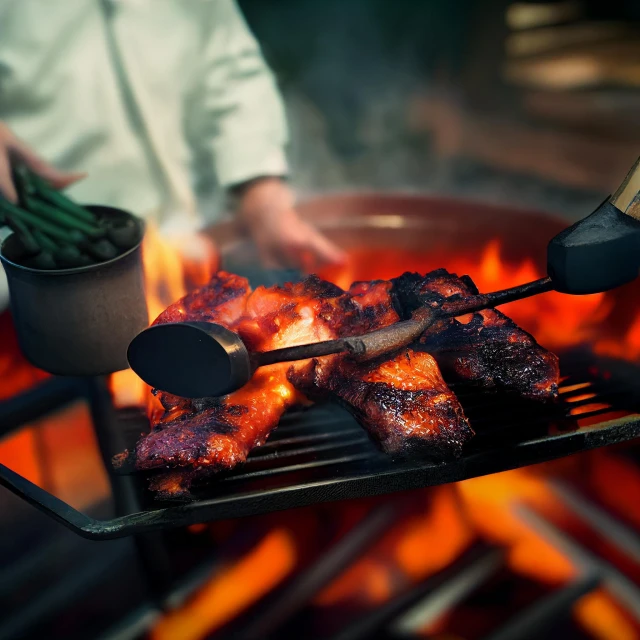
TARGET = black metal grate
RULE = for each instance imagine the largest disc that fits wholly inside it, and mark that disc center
(325, 444)
(322, 455)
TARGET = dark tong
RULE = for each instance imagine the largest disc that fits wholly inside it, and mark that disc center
(203, 359)
(200, 359)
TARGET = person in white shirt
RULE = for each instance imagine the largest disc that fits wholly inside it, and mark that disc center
(131, 102)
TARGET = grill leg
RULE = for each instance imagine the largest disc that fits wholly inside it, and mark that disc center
(150, 547)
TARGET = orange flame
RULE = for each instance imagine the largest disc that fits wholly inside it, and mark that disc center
(232, 590)
(16, 373)
(444, 519)
(172, 267)
(555, 319)
(628, 347)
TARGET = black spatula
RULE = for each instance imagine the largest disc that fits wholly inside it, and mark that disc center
(201, 359)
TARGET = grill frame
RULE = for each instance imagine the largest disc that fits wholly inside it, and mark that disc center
(497, 448)
(411, 222)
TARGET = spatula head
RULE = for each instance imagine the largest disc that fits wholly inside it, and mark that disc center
(596, 254)
(190, 359)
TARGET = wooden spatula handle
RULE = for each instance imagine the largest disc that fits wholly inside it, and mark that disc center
(627, 196)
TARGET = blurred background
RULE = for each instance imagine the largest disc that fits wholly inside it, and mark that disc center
(508, 106)
(521, 102)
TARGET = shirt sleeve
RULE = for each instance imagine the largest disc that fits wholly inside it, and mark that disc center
(243, 116)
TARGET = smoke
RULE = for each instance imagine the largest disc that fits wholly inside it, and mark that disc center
(349, 72)
(373, 94)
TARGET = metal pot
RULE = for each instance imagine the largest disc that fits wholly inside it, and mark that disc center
(78, 321)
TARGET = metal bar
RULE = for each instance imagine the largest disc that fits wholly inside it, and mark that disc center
(470, 304)
(67, 589)
(301, 352)
(540, 618)
(436, 603)
(47, 503)
(375, 476)
(316, 464)
(376, 623)
(279, 607)
(133, 626)
(151, 550)
(622, 537)
(395, 336)
(305, 438)
(624, 590)
(292, 453)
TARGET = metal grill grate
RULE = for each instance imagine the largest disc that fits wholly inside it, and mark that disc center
(322, 454)
(325, 443)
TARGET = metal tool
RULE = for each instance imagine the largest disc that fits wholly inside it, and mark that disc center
(201, 359)
(323, 455)
(602, 251)
(79, 321)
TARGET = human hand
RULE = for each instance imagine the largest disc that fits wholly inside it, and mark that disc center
(282, 237)
(12, 147)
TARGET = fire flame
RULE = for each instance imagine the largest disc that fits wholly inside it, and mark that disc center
(555, 319)
(172, 267)
(443, 521)
(16, 374)
(234, 588)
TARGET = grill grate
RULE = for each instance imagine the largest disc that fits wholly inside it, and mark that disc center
(322, 454)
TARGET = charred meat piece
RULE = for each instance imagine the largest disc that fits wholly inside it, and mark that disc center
(486, 348)
(216, 435)
(222, 300)
(220, 433)
(403, 402)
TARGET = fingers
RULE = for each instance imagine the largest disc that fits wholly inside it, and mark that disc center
(7, 189)
(56, 178)
(13, 147)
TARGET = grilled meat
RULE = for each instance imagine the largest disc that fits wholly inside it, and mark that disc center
(485, 348)
(217, 434)
(220, 433)
(401, 400)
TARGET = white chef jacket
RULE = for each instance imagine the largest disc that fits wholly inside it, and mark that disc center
(146, 96)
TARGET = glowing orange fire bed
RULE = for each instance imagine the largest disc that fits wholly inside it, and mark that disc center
(322, 454)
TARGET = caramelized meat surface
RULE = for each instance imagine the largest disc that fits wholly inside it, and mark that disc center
(485, 348)
(220, 433)
(402, 400)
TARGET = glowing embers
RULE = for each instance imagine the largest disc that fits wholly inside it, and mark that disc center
(465, 561)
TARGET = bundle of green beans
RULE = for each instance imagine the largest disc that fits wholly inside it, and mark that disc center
(56, 233)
